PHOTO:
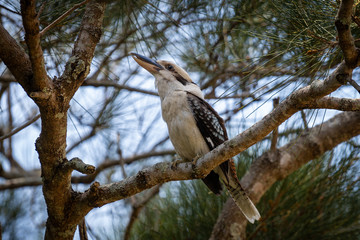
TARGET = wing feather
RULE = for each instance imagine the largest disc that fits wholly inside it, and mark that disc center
(213, 130)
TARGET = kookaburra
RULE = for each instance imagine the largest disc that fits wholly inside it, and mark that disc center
(194, 127)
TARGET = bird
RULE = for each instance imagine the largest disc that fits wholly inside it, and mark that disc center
(195, 128)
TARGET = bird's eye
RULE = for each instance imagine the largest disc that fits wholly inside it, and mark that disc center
(169, 67)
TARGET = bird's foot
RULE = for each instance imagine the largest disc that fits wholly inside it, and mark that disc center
(194, 161)
(176, 162)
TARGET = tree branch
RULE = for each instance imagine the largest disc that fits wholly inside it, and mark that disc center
(33, 178)
(342, 104)
(274, 166)
(20, 182)
(354, 84)
(78, 66)
(40, 82)
(108, 83)
(137, 207)
(89, 82)
(19, 66)
(111, 163)
(346, 40)
(51, 145)
(78, 165)
(275, 133)
(18, 129)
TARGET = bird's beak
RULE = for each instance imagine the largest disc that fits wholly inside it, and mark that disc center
(151, 65)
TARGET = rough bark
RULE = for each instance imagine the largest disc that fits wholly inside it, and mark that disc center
(346, 40)
(19, 66)
(40, 83)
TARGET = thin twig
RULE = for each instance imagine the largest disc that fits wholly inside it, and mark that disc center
(10, 125)
(275, 133)
(8, 9)
(177, 23)
(82, 230)
(303, 116)
(107, 83)
(62, 17)
(354, 84)
(16, 130)
(356, 20)
(122, 163)
(41, 10)
(138, 207)
(20, 182)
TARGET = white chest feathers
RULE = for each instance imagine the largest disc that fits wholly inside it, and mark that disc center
(183, 131)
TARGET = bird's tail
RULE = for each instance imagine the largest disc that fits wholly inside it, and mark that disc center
(241, 199)
(228, 176)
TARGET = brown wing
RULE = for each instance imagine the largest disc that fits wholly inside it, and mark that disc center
(213, 130)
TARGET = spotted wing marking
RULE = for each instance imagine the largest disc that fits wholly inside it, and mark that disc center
(212, 128)
(210, 124)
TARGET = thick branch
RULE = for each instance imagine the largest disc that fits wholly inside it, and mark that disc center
(33, 178)
(346, 41)
(78, 66)
(274, 166)
(19, 66)
(342, 104)
(40, 80)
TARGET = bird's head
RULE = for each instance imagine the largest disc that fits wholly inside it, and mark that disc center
(169, 77)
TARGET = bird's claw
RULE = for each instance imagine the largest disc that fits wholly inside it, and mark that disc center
(175, 163)
(194, 161)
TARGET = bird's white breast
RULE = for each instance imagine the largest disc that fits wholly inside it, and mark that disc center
(183, 131)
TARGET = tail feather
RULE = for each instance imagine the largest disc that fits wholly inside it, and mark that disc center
(246, 206)
(228, 176)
